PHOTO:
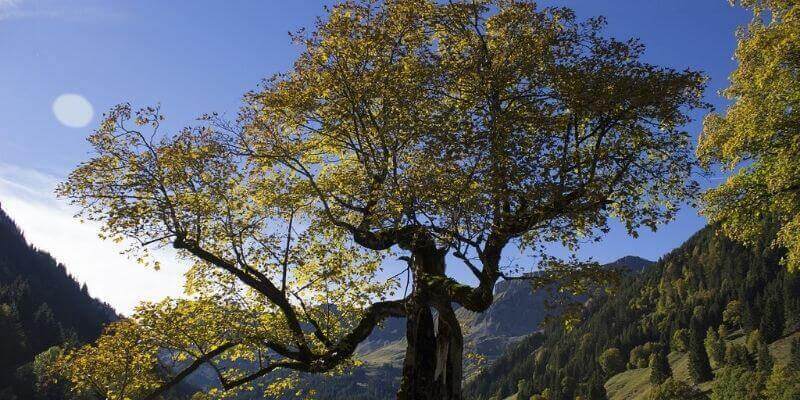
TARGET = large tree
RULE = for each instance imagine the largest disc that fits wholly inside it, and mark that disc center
(440, 133)
(756, 139)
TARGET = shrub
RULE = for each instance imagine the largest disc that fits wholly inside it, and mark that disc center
(673, 389)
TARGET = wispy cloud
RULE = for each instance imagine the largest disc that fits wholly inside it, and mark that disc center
(8, 8)
(27, 196)
(56, 9)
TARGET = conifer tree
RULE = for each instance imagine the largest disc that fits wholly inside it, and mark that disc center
(660, 369)
(771, 326)
(715, 346)
(765, 360)
(754, 339)
(732, 316)
(699, 367)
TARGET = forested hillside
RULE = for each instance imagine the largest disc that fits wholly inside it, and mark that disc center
(41, 305)
(707, 283)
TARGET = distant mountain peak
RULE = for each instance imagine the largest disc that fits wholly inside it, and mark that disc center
(634, 264)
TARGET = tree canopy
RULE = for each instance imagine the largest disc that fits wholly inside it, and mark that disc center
(429, 131)
(755, 139)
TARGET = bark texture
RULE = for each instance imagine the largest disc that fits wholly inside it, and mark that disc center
(432, 367)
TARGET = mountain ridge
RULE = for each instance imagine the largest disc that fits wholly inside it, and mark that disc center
(41, 305)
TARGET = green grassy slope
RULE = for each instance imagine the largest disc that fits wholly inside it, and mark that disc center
(634, 384)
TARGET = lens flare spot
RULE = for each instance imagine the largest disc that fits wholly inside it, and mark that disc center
(73, 110)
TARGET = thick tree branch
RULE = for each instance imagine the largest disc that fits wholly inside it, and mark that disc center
(188, 371)
(264, 287)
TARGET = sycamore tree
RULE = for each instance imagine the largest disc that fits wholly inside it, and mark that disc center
(757, 139)
(439, 133)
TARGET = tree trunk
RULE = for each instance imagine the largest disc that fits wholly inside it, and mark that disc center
(420, 363)
(449, 353)
(432, 366)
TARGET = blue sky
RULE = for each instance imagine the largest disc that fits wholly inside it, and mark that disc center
(200, 56)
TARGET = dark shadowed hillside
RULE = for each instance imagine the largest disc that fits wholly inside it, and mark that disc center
(41, 305)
